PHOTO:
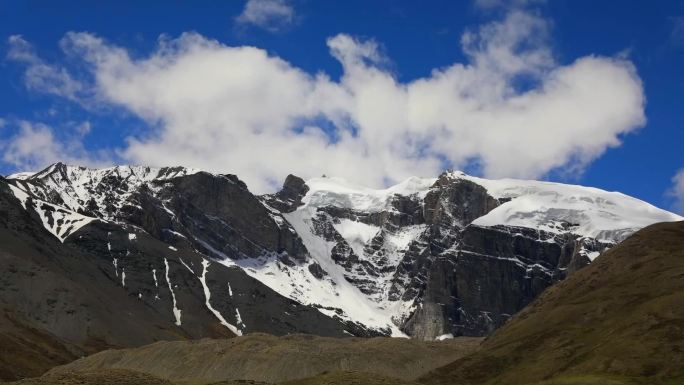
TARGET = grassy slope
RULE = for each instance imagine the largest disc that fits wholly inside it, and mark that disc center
(620, 320)
(262, 357)
(350, 378)
(108, 377)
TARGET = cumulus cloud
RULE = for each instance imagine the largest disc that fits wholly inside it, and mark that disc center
(677, 191)
(511, 109)
(35, 145)
(271, 15)
(40, 75)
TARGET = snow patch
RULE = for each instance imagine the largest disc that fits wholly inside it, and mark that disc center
(592, 255)
(176, 310)
(59, 221)
(186, 265)
(238, 318)
(20, 194)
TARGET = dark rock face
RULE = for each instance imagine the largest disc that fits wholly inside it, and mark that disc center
(221, 216)
(494, 273)
(290, 196)
(456, 202)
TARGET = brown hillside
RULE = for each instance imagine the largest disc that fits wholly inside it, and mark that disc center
(267, 358)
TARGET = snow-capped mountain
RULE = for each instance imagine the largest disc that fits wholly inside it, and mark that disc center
(427, 258)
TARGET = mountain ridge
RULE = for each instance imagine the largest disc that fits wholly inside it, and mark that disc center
(378, 259)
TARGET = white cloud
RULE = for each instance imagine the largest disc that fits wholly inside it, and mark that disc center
(272, 15)
(40, 75)
(511, 108)
(35, 145)
(677, 191)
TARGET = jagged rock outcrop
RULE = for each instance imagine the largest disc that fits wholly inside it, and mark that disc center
(290, 196)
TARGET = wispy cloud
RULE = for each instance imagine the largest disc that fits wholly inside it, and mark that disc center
(241, 110)
(40, 75)
(677, 31)
(271, 15)
(677, 191)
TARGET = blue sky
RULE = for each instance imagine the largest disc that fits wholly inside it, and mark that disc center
(66, 91)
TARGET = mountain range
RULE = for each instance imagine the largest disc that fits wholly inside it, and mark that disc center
(126, 256)
(620, 321)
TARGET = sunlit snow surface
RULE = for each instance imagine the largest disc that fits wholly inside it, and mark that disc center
(339, 192)
(606, 216)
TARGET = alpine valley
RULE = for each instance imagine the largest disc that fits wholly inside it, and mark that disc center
(126, 256)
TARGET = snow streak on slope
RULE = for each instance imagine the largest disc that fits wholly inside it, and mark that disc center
(176, 311)
(337, 292)
(332, 295)
(207, 297)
